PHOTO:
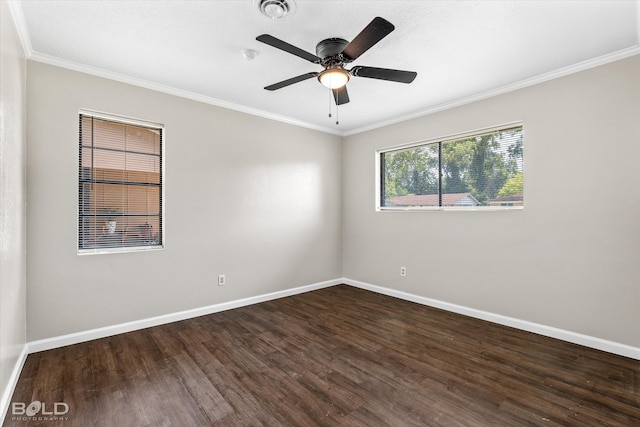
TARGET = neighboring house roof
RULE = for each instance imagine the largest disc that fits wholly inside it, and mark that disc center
(518, 197)
(453, 199)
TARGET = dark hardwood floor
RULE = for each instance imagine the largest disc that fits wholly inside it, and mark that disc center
(339, 356)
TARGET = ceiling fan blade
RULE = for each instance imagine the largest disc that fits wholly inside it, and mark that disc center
(291, 81)
(377, 29)
(282, 45)
(384, 74)
(340, 95)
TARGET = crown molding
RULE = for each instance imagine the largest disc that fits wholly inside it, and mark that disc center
(170, 90)
(17, 14)
(561, 72)
(15, 8)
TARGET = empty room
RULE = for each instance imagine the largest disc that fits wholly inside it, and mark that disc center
(300, 213)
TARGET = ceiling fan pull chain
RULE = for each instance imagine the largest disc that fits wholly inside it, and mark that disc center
(330, 102)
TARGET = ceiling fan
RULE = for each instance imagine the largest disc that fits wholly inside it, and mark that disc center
(334, 53)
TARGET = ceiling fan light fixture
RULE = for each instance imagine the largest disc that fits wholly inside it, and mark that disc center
(334, 78)
(276, 9)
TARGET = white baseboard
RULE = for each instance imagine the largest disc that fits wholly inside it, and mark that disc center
(549, 331)
(78, 337)
(55, 342)
(7, 393)
(573, 337)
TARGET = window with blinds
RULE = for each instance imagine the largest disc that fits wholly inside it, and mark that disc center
(120, 185)
(479, 170)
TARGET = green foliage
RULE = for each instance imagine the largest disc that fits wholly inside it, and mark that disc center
(481, 165)
(514, 185)
(413, 171)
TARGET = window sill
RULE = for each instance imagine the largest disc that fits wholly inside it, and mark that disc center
(119, 250)
(450, 208)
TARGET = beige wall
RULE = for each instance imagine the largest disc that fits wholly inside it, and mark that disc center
(255, 199)
(13, 284)
(570, 259)
(261, 201)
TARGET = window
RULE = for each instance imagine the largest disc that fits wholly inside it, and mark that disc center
(120, 185)
(480, 170)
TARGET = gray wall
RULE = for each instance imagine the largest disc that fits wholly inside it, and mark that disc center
(255, 199)
(570, 259)
(275, 206)
(13, 282)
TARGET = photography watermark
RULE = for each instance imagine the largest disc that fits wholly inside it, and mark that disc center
(39, 411)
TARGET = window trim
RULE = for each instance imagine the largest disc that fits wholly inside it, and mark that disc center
(126, 249)
(379, 179)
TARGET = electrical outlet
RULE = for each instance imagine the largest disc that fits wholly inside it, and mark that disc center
(221, 280)
(403, 271)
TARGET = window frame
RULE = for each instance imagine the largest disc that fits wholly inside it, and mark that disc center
(133, 122)
(379, 178)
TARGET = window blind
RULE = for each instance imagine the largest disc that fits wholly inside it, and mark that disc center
(120, 185)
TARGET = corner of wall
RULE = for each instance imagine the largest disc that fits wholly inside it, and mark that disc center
(13, 347)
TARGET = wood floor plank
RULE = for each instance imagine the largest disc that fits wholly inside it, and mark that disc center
(337, 356)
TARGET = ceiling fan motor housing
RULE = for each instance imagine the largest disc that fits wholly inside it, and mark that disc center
(334, 53)
(329, 50)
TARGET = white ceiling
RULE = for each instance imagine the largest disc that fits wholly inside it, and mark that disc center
(461, 50)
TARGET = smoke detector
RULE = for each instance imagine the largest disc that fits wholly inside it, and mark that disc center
(276, 9)
(249, 54)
